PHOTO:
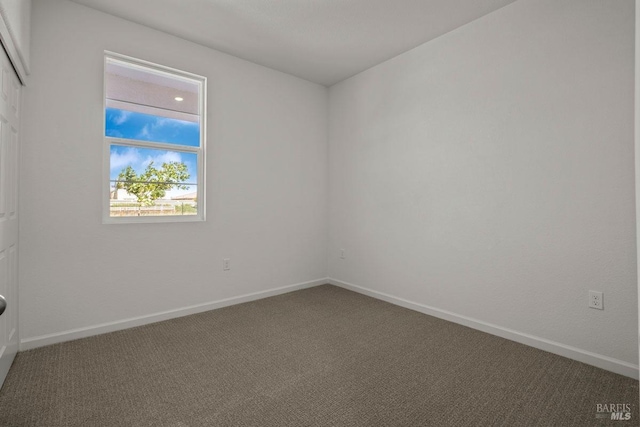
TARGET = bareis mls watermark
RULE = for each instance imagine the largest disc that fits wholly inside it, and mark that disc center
(614, 411)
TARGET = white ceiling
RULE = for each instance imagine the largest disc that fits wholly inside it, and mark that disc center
(324, 41)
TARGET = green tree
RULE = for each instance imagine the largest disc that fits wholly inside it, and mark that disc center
(153, 183)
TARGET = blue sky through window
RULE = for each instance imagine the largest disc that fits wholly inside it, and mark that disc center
(145, 127)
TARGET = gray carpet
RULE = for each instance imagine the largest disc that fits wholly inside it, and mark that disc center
(318, 357)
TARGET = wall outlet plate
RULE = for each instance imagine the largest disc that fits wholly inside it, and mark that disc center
(595, 300)
(226, 264)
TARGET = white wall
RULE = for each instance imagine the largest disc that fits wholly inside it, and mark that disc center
(266, 189)
(490, 173)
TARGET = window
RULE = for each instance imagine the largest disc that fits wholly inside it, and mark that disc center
(154, 138)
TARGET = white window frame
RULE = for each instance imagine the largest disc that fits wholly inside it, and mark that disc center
(108, 141)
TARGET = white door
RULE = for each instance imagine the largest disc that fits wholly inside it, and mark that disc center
(9, 125)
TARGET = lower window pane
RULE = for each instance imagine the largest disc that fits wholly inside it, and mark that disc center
(152, 182)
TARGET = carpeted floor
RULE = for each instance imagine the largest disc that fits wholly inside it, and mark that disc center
(323, 356)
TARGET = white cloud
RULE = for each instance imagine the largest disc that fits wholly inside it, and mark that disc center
(122, 117)
(129, 156)
(161, 125)
(166, 157)
(144, 133)
(160, 122)
(149, 131)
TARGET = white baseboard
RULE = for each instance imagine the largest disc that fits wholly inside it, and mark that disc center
(73, 334)
(594, 359)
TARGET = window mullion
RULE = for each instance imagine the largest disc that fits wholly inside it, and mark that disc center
(151, 144)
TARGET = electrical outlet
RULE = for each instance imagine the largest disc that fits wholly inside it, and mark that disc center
(226, 264)
(595, 300)
(342, 254)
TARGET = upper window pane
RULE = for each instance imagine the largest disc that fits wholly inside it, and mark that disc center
(150, 105)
